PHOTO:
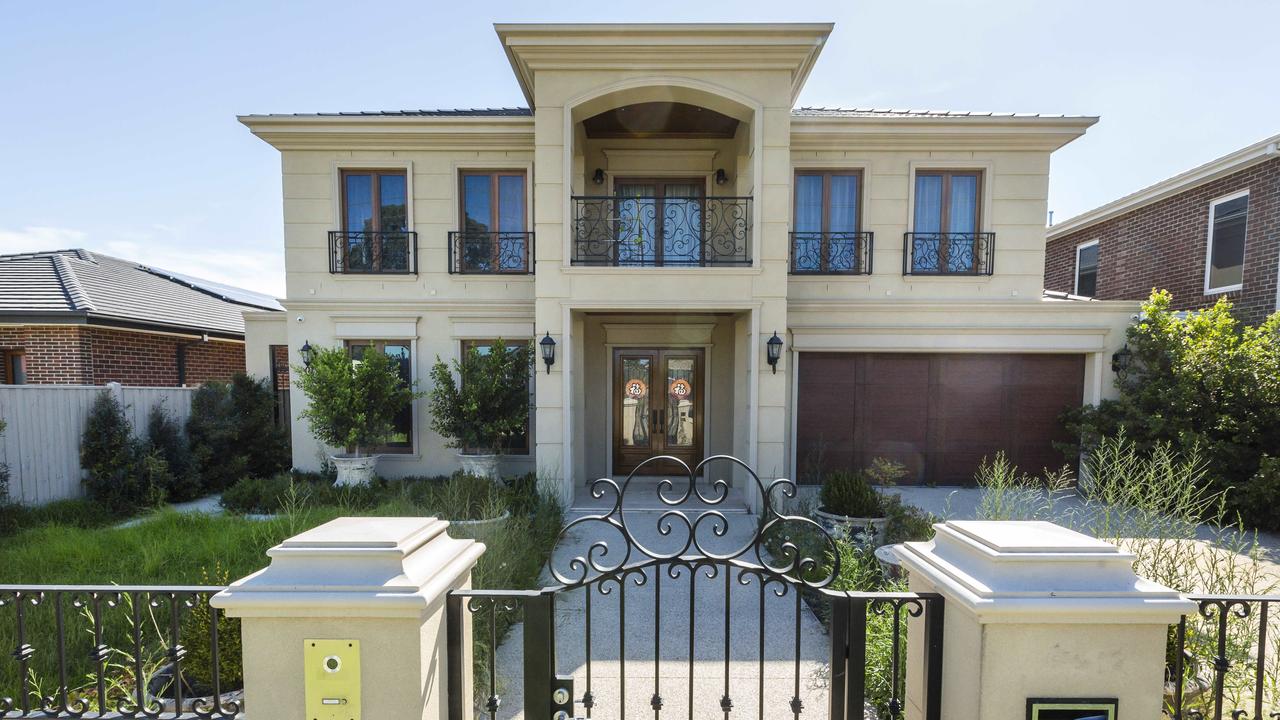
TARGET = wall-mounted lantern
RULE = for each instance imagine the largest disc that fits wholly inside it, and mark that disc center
(598, 176)
(307, 353)
(773, 351)
(548, 348)
(1121, 359)
(721, 177)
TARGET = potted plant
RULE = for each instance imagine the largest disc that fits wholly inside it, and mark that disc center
(850, 506)
(480, 402)
(352, 405)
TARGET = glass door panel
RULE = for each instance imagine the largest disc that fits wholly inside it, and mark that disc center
(680, 416)
(682, 224)
(637, 222)
(635, 402)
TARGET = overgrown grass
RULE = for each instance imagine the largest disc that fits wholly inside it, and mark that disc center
(170, 548)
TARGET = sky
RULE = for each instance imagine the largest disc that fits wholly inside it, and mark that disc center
(118, 128)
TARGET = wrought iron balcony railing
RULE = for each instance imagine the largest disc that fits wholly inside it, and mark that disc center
(661, 231)
(380, 252)
(831, 253)
(496, 253)
(948, 253)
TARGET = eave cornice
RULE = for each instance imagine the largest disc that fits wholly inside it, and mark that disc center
(682, 47)
(290, 132)
(910, 133)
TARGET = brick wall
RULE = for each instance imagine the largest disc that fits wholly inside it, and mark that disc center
(1163, 245)
(86, 355)
(52, 354)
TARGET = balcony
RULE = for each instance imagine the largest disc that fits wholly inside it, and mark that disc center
(948, 253)
(368, 252)
(661, 231)
(474, 252)
(831, 253)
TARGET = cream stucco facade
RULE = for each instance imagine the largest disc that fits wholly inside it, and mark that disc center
(750, 74)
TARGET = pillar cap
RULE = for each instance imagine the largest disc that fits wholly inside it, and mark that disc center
(1035, 571)
(355, 567)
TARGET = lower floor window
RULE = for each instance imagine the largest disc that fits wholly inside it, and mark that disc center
(401, 438)
(518, 444)
(15, 368)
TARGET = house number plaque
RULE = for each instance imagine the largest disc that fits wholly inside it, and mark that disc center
(1071, 708)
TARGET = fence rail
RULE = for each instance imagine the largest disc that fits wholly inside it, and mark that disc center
(41, 444)
(661, 231)
(490, 253)
(99, 651)
(1224, 661)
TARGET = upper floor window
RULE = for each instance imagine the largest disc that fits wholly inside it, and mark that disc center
(826, 237)
(401, 438)
(493, 235)
(946, 237)
(1087, 269)
(1224, 268)
(375, 233)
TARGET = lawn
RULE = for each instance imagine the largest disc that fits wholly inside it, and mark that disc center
(168, 548)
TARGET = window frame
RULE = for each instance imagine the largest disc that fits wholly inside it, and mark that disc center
(946, 174)
(380, 345)
(7, 375)
(495, 210)
(376, 186)
(826, 174)
(1208, 250)
(465, 345)
(1079, 248)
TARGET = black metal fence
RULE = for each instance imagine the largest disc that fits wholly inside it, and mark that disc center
(1224, 661)
(383, 252)
(498, 253)
(96, 651)
(948, 253)
(831, 253)
(661, 231)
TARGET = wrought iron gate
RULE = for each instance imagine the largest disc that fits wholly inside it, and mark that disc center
(686, 546)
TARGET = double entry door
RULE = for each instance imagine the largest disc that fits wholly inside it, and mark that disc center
(658, 403)
(659, 221)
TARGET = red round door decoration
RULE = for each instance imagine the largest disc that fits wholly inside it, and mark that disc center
(680, 389)
(635, 389)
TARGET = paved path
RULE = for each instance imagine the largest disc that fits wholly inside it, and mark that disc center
(748, 681)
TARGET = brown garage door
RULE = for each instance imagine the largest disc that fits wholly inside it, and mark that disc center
(938, 414)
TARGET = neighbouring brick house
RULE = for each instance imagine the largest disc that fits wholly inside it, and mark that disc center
(79, 318)
(1210, 232)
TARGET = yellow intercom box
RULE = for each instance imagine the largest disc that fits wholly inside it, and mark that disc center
(332, 679)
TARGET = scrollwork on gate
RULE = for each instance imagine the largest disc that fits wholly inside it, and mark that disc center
(790, 549)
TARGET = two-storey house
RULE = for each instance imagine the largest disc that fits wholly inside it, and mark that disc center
(719, 271)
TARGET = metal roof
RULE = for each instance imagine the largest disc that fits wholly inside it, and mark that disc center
(798, 112)
(907, 113)
(78, 283)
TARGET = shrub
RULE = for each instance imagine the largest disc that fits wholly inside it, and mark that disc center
(197, 666)
(488, 403)
(166, 438)
(846, 492)
(255, 495)
(212, 434)
(1260, 497)
(264, 443)
(352, 405)
(119, 474)
(1198, 379)
(233, 434)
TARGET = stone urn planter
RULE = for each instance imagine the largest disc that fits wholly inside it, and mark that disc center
(862, 530)
(354, 470)
(485, 466)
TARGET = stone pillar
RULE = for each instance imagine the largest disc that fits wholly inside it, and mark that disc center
(1034, 610)
(381, 581)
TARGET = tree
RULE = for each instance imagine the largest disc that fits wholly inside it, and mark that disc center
(1198, 378)
(488, 403)
(352, 404)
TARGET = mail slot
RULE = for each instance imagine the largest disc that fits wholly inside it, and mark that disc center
(332, 671)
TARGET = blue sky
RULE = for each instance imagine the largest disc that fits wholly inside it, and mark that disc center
(118, 129)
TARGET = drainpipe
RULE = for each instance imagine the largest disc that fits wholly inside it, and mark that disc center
(180, 357)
